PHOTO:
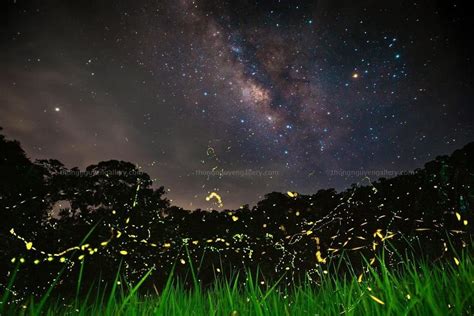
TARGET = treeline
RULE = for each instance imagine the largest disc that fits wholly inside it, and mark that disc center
(111, 218)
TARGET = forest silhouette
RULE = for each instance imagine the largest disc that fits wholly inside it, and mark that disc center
(117, 219)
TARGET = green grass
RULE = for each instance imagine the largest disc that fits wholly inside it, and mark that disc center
(416, 289)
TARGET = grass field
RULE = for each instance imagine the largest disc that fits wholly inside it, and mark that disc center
(420, 289)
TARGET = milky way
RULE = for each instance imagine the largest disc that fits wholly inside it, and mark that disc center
(293, 89)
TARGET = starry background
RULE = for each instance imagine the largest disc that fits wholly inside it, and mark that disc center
(293, 88)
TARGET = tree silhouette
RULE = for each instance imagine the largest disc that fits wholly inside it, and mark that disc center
(127, 219)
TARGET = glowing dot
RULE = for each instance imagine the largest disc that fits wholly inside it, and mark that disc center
(355, 75)
(235, 218)
(217, 197)
(36, 261)
(29, 245)
(62, 259)
(377, 300)
(319, 257)
(56, 109)
(182, 261)
(456, 261)
(123, 252)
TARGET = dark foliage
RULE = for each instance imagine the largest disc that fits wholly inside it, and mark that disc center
(427, 213)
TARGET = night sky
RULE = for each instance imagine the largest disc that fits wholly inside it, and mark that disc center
(292, 88)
